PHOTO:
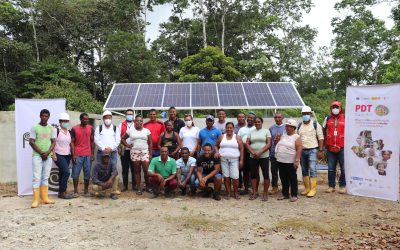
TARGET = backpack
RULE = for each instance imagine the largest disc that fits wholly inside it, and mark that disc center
(314, 125)
(101, 128)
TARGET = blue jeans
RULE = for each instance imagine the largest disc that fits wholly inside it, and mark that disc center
(113, 157)
(333, 158)
(212, 179)
(192, 181)
(81, 162)
(309, 162)
(155, 153)
(63, 168)
(41, 171)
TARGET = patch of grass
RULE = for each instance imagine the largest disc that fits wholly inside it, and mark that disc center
(196, 223)
(313, 226)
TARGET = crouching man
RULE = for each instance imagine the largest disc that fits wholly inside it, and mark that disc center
(162, 173)
(208, 169)
(105, 177)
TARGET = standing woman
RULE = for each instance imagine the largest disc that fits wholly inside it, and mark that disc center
(258, 142)
(171, 140)
(141, 150)
(62, 155)
(288, 154)
(229, 147)
(189, 135)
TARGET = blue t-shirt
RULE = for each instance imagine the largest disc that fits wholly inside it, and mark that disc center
(275, 129)
(209, 136)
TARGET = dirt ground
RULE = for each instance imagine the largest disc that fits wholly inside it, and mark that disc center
(327, 221)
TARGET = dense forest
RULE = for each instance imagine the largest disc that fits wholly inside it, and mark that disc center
(78, 48)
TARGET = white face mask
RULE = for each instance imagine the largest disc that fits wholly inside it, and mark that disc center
(107, 122)
(189, 123)
(335, 111)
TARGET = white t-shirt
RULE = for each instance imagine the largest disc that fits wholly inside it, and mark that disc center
(139, 138)
(189, 136)
(220, 126)
(244, 132)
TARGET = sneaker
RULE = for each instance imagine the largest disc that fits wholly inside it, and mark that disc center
(216, 196)
(293, 199)
(117, 192)
(330, 190)
(208, 192)
(342, 190)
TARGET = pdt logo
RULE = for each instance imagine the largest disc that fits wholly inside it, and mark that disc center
(363, 108)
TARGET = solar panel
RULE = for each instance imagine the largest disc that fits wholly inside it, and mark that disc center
(231, 94)
(285, 94)
(122, 96)
(150, 95)
(258, 94)
(177, 95)
(204, 95)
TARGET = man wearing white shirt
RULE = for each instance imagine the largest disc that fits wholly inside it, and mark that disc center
(107, 138)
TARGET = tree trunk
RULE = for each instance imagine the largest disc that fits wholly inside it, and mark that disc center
(201, 2)
(224, 11)
(34, 32)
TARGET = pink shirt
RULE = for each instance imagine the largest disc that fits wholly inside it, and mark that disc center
(63, 142)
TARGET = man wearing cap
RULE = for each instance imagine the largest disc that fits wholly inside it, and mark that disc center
(62, 155)
(162, 173)
(244, 133)
(334, 126)
(107, 138)
(209, 134)
(41, 139)
(156, 128)
(82, 152)
(172, 116)
(312, 139)
(276, 130)
(105, 176)
(125, 152)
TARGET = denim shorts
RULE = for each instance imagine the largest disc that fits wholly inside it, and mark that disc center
(81, 162)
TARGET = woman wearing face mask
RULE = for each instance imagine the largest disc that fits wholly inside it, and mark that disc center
(171, 140)
(141, 147)
(189, 135)
(62, 155)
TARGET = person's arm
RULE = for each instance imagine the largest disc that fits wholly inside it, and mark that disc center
(92, 144)
(266, 147)
(241, 149)
(199, 172)
(298, 147)
(248, 146)
(191, 170)
(117, 140)
(179, 141)
(320, 136)
(95, 177)
(150, 145)
(216, 170)
(123, 141)
(159, 141)
(178, 174)
(97, 140)
(198, 146)
(216, 147)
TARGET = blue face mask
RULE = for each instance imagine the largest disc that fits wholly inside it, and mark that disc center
(129, 118)
(306, 118)
(65, 124)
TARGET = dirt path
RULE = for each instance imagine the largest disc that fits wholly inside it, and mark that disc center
(328, 221)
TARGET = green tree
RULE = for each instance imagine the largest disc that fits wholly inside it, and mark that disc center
(209, 65)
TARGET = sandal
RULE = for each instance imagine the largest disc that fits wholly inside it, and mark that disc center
(236, 196)
(264, 198)
(139, 192)
(253, 197)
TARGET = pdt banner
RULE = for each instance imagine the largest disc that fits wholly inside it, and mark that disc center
(372, 141)
(27, 113)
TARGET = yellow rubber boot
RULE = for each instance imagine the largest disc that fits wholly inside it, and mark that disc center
(35, 198)
(306, 181)
(313, 190)
(44, 195)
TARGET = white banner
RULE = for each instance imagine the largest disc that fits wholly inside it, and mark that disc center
(27, 113)
(372, 141)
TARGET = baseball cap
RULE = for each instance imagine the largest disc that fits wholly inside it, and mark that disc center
(107, 112)
(291, 122)
(306, 109)
(210, 117)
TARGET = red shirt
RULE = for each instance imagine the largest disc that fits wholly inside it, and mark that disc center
(82, 140)
(156, 128)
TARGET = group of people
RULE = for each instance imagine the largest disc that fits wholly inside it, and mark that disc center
(177, 154)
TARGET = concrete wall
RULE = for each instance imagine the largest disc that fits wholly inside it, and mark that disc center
(8, 166)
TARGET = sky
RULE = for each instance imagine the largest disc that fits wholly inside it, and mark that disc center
(320, 18)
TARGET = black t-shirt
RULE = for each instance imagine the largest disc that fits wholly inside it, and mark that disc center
(178, 124)
(207, 164)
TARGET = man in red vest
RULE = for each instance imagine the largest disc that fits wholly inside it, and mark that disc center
(334, 125)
